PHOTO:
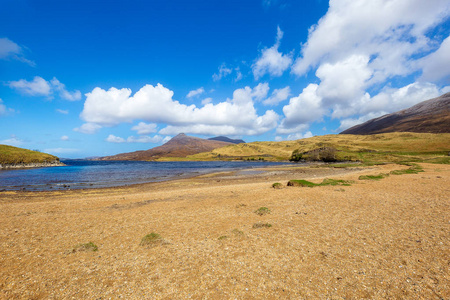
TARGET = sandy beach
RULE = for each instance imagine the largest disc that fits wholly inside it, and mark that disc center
(374, 239)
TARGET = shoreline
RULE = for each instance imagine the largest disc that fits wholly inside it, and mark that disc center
(373, 239)
(31, 165)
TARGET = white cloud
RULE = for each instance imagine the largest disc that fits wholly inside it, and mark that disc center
(196, 92)
(115, 139)
(63, 93)
(62, 111)
(388, 31)
(272, 61)
(41, 87)
(88, 128)
(64, 138)
(295, 136)
(302, 110)
(38, 87)
(360, 46)
(260, 91)
(223, 72)
(140, 139)
(155, 104)
(278, 95)
(4, 110)
(144, 128)
(13, 141)
(9, 49)
(206, 101)
(239, 75)
(436, 66)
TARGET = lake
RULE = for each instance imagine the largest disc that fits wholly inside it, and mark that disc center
(79, 174)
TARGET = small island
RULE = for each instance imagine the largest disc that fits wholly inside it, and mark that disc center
(16, 158)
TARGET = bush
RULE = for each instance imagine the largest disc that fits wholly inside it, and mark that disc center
(262, 225)
(85, 247)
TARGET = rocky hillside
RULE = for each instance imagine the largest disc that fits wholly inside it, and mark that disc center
(179, 146)
(431, 116)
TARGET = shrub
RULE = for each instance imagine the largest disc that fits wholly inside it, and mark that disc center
(301, 182)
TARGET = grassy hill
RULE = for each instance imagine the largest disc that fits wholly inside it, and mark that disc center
(10, 155)
(396, 147)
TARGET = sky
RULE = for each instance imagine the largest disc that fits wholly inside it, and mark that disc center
(94, 78)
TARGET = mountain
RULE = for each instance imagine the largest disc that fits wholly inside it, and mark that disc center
(226, 139)
(431, 116)
(179, 146)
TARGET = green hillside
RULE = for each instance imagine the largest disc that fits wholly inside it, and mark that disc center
(10, 155)
(397, 146)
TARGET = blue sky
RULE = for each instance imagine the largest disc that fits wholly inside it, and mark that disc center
(86, 78)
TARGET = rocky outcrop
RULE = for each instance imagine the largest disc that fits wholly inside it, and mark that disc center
(55, 163)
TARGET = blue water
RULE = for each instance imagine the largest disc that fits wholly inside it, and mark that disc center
(79, 174)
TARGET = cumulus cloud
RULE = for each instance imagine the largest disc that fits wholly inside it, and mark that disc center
(144, 128)
(156, 104)
(88, 128)
(115, 139)
(271, 60)
(196, 92)
(64, 138)
(41, 87)
(278, 95)
(302, 110)
(360, 46)
(436, 66)
(10, 50)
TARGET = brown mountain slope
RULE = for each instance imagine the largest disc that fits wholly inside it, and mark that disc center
(179, 146)
(431, 116)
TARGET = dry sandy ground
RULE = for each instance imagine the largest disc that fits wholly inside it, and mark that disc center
(386, 239)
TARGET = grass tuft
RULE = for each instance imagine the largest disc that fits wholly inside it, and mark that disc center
(373, 177)
(85, 247)
(262, 225)
(277, 185)
(326, 181)
(262, 211)
(151, 239)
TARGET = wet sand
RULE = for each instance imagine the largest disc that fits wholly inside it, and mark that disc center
(386, 239)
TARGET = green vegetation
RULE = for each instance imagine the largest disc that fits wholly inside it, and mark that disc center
(373, 177)
(222, 237)
(261, 225)
(237, 232)
(151, 239)
(262, 211)
(10, 155)
(414, 169)
(277, 185)
(368, 149)
(326, 181)
(85, 247)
